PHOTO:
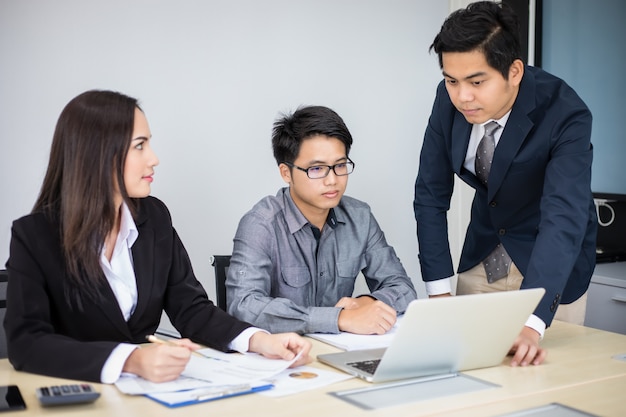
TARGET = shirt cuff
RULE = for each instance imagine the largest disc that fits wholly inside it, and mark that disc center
(323, 320)
(241, 343)
(537, 325)
(437, 287)
(114, 364)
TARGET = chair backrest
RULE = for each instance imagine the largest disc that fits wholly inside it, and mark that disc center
(4, 278)
(220, 264)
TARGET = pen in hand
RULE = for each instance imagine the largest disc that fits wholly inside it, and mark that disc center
(153, 339)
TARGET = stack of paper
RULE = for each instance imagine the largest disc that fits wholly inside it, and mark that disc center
(351, 341)
(209, 376)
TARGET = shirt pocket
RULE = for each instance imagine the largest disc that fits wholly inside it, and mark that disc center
(350, 268)
(296, 285)
(296, 277)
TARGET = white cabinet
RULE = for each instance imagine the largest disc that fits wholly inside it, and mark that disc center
(606, 300)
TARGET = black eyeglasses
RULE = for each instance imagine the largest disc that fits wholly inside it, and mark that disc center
(320, 171)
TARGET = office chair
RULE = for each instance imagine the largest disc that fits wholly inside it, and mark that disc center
(220, 264)
(4, 278)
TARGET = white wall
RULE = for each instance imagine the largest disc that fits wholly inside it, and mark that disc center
(212, 76)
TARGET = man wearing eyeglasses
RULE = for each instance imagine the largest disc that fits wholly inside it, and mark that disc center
(297, 255)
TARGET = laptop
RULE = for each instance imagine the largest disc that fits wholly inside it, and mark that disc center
(444, 335)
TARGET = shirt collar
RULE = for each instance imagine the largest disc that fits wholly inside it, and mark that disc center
(128, 228)
(294, 217)
(332, 219)
(501, 121)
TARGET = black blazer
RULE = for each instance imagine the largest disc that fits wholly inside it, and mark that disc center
(539, 202)
(45, 336)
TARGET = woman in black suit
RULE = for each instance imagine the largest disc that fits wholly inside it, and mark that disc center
(97, 261)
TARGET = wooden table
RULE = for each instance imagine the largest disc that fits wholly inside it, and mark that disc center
(580, 372)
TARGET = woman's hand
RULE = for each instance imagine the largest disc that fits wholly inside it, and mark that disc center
(160, 362)
(281, 346)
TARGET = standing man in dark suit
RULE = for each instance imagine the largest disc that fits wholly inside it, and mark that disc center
(532, 216)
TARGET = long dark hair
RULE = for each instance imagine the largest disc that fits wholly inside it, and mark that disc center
(86, 166)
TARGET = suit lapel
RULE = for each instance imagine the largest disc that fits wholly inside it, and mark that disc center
(143, 261)
(515, 132)
(109, 306)
(460, 140)
(513, 136)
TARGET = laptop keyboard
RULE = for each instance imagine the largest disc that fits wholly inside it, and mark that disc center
(368, 366)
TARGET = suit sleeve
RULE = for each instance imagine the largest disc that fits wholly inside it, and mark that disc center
(189, 309)
(433, 191)
(566, 215)
(161, 259)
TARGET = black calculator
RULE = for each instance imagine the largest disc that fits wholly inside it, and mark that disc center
(67, 394)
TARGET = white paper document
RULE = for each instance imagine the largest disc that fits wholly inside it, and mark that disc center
(303, 378)
(351, 341)
(210, 369)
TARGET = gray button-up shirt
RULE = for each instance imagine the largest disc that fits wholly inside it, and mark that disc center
(279, 278)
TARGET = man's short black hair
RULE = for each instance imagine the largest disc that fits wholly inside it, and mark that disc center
(485, 26)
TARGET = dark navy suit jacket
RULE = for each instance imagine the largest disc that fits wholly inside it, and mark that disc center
(45, 336)
(539, 202)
